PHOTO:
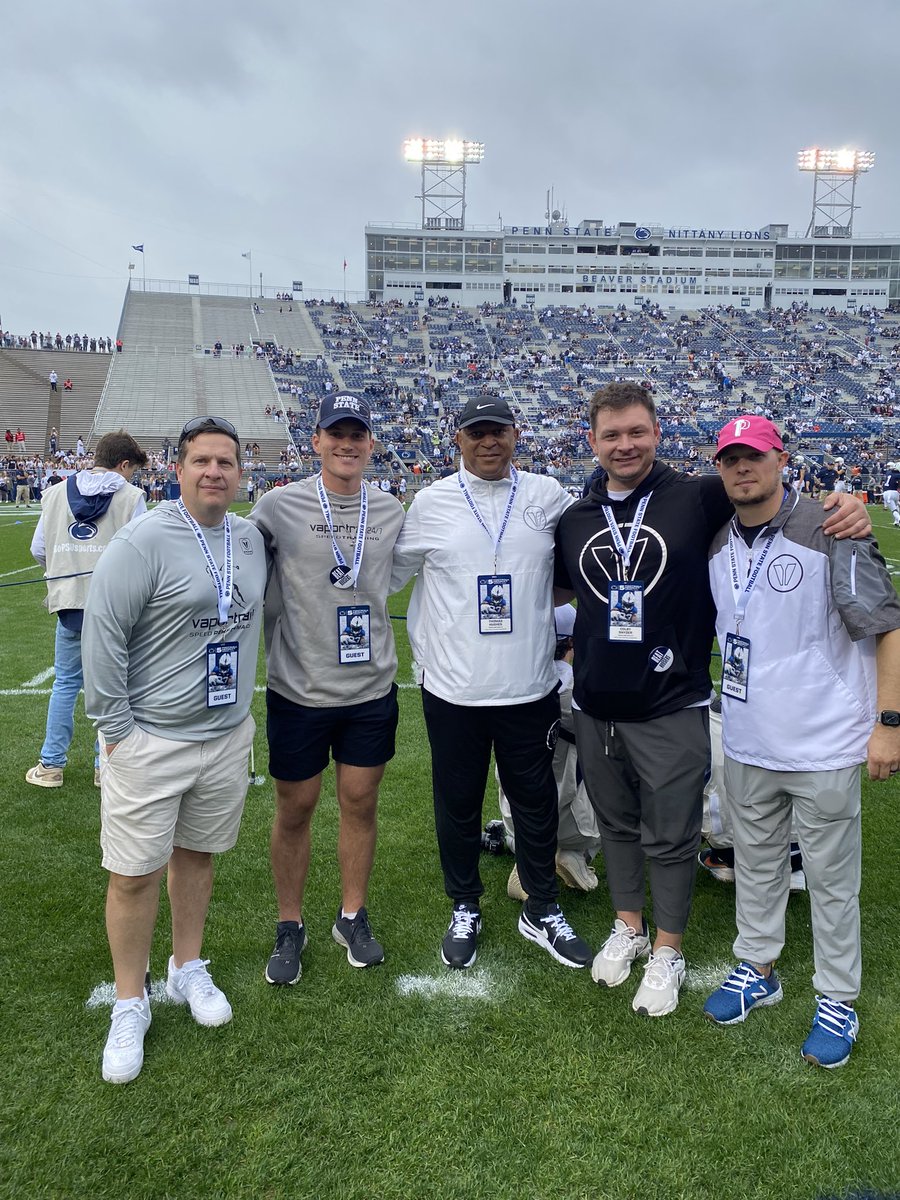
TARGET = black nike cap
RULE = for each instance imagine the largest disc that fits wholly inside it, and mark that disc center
(486, 408)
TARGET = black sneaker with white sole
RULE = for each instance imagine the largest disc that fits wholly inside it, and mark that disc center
(460, 945)
(547, 927)
(284, 964)
(357, 938)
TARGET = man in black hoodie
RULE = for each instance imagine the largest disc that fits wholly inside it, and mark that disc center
(638, 541)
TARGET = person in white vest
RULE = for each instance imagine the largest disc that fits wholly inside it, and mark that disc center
(76, 525)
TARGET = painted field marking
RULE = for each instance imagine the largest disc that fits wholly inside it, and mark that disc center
(457, 985)
(21, 570)
(104, 994)
(707, 978)
(41, 677)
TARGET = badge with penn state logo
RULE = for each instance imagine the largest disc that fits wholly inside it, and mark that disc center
(626, 611)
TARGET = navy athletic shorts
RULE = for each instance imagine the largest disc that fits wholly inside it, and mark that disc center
(301, 738)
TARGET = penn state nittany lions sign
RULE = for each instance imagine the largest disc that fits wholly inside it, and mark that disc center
(640, 233)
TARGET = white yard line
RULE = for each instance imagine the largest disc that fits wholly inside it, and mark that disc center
(21, 570)
(41, 677)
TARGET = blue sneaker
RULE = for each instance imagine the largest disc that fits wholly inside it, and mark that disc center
(744, 989)
(834, 1030)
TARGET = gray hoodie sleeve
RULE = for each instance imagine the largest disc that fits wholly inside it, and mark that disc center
(120, 589)
(862, 587)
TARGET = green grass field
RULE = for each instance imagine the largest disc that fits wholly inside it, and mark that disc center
(517, 1079)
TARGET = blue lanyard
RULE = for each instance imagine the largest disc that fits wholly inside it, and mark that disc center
(514, 477)
(623, 548)
(223, 586)
(360, 531)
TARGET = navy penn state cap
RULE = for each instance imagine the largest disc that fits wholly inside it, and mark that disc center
(344, 406)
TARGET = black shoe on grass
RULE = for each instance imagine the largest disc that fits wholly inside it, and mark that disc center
(284, 964)
(460, 944)
(357, 938)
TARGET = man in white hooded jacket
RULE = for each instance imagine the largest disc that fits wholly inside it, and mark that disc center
(77, 522)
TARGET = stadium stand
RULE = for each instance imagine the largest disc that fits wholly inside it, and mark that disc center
(830, 379)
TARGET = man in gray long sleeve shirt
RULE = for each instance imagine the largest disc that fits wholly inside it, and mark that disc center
(170, 640)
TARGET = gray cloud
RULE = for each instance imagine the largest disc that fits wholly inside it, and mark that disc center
(205, 130)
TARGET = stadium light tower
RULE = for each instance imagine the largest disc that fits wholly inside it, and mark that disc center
(444, 162)
(835, 173)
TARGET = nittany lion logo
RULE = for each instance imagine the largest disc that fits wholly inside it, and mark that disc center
(82, 531)
(599, 563)
(784, 573)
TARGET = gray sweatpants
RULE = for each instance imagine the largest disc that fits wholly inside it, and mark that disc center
(645, 781)
(825, 806)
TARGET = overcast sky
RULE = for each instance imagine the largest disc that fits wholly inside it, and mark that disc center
(206, 130)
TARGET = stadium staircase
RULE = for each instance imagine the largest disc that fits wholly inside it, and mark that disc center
(27, 401)
(169, 372)
(290, 330)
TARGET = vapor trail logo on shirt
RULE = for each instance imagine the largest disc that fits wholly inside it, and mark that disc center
(600, 565)
(784, 573)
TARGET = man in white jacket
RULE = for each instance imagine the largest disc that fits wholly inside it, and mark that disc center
(803, 621)
(480, 623)
(78, 520)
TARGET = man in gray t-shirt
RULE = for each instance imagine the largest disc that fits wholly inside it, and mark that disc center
(170, 643)
(330, 664)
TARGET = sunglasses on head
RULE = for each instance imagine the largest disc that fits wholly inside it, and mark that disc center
(208, 425)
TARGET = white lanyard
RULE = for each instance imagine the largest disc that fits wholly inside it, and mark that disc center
(514, 477)
(360, 532)
(623, 548)
(223, 585)
(742, 595)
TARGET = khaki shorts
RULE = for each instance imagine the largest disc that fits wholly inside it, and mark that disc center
(156, 793)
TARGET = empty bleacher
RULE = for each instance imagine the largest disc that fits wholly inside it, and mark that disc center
(170, 371)
(26, 399)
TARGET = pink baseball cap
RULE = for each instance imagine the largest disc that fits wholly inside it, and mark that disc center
(756, 432)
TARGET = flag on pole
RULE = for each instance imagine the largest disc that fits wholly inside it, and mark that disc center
(247, 255)
(345, 264)
(140, 249)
